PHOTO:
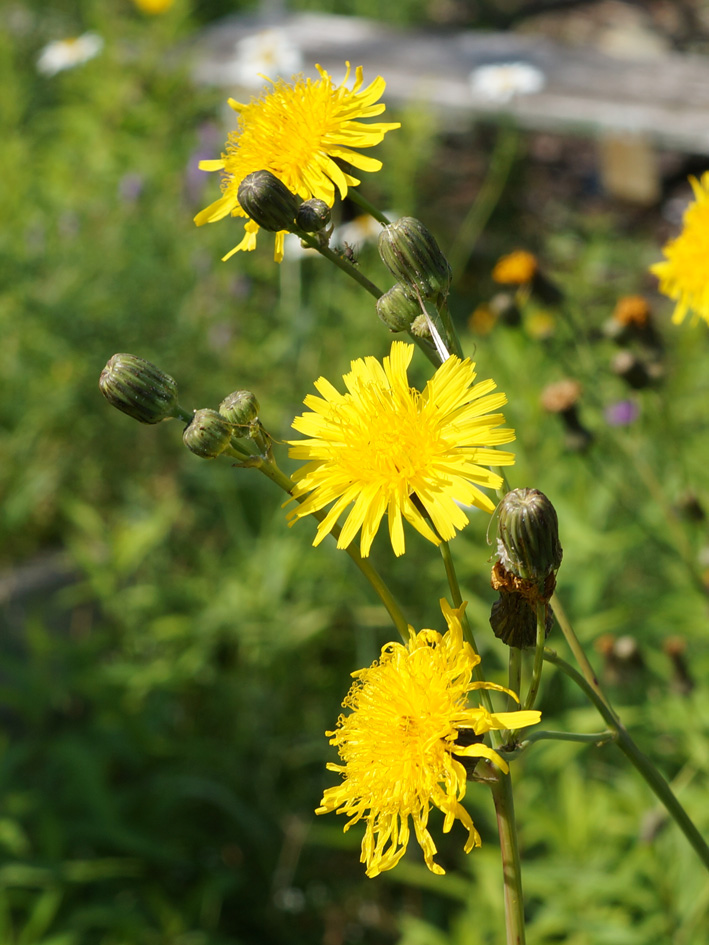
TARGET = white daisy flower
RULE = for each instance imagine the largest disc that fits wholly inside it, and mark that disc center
(66, 53)
(502, 81)
(270, 53)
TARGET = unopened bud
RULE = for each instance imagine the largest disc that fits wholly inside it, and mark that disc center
(397, 309)
(410, 252)
(268, 201)
(420, 327)
(207, 434)
(528, 535)
(241, 409)
(139, 389)
(313, 215)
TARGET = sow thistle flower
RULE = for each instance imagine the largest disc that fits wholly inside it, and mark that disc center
(399, 745)
(299, 131)
(385, 447)
(684, 273)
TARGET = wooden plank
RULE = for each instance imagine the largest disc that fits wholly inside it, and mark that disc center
(663, 100)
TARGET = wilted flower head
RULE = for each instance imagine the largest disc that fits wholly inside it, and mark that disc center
(66, 53)
(386, 448)
(300, 132)
(401, 744)
(684, 273)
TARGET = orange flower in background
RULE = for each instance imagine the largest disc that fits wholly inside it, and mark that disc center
(516, 268)
(632, 310)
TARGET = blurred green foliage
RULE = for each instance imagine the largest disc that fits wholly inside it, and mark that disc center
(172, 654)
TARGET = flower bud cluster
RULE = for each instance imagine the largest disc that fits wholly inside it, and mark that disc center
(144, 392)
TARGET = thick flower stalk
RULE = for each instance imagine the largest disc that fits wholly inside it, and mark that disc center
(399, 744)
(684, 273)
(385, 448)
(300, 131)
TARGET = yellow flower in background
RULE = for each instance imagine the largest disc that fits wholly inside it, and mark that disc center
(399, 744)
(516, 268)
(684, 273)
(299, 131)
(482, 320)
(153, 7)
(386, 448)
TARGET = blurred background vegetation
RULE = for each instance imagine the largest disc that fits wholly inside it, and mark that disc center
(171, 654)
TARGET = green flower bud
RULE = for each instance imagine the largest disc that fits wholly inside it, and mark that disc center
(412, 255)
(139, 389)
(207, 434)
(268, 201)
(528, 535)
(313, 215)
(419, 327)
(240, 408)
(397, 309)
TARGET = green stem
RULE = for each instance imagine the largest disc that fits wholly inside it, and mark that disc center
(593, 738)
(642, 763)
(356, 197)
(182, 414)
(514, 676)
(538, 655)
(344, 264)
(471, 228)
(272, 471)
(450, 332)
(501, 788)
(576, 648)
(457, 598)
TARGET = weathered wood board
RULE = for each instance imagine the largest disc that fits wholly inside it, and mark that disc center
(663, 100)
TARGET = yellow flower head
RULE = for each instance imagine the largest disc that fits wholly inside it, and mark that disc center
(299, 131)
(389, 448)
(153, 7)
(399, 743)
(515, 268)
(684, 273)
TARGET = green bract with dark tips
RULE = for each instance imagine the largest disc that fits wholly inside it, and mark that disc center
(240, 408)
(268, 201)
(313, 215)
(397, 309)
(528, 535)
(514, 620)
(411, 253)
(138, 388)
(207, 434)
